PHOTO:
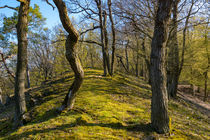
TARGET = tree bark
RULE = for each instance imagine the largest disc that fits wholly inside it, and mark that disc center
(126, 55)
(205, 86)
(106, 42)
(28, 78)
(173, 56)
(22, 29)
(159, 105)
(137, 57)
(71, 55)
(1, 100)
(98, 3)
(113, 37)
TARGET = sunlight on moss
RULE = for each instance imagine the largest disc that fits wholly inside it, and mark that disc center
(115, 107)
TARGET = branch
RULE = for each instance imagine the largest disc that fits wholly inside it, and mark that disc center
(91, 41)
(5, 65)
(50, 4)
(96, 27)
(6, 6)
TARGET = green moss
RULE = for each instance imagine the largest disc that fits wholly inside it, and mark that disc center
(115, 107)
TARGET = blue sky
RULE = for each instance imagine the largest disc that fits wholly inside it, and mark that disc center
(46, 10)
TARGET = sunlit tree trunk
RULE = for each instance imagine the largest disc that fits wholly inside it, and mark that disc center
(71, 55)
(113, 37)
(22, 29)
(159, 105)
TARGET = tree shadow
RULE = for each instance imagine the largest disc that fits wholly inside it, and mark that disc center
(145, 128)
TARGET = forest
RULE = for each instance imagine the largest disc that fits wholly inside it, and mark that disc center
(110, 69)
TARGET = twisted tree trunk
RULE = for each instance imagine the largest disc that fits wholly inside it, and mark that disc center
(159, 105)
(71, 55)
(22, 29)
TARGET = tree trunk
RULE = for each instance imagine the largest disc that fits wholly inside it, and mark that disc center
(71, 55)
(173, 56)
(106, 42)
(113, 37)
(98, 3)
(205, 87)
(193, 89)
(91, 59)
(137, 58)
(22, 29)
(126, 55)
(159, 105)
(28, 78)
(207, 69)
(1, 100)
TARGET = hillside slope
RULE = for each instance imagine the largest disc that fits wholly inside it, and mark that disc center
(106, 108)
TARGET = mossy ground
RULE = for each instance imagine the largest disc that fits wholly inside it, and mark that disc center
(106, 108)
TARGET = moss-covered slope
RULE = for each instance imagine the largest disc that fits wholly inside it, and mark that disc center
(106, 108)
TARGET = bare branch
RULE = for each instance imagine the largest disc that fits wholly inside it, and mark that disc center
(6, 6)
(50, 4)
(95, 27)
(91, 41)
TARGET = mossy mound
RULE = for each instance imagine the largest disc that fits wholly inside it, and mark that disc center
(115, 107)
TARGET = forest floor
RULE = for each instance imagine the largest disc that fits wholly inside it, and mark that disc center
(115, 107)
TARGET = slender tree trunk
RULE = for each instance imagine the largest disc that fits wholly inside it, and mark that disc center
(22, 29)
(205, 86)
(137, 65)
(137, 58)
(173, 56)
(126, 55)
(28, 78)
(91, 58)
(113, 37)
(106, 42)
(207, 69)
(184, 38)
(1, 100)
(193, 90)
(98, 3)
(71, 55)
(159, 105)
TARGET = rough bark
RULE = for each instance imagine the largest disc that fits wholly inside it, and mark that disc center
(173, 55)
(159, 105)
(113, 36)
(71, 55)
(22, 29)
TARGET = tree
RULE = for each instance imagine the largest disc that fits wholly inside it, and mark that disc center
(173, 54)
(159, 107)
(71, 55)
(22, 29)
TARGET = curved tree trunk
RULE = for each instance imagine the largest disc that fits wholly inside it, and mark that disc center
(22, 29)
(71, 55)
(159, 105)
